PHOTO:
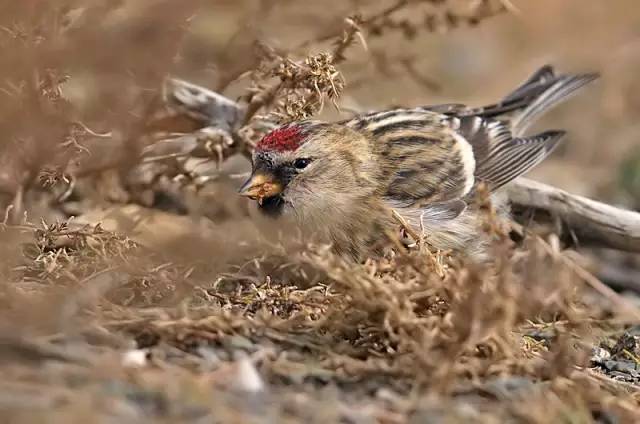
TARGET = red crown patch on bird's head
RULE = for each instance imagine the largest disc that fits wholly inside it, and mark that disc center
(283, 139)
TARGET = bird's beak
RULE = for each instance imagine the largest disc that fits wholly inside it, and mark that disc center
(259, 186)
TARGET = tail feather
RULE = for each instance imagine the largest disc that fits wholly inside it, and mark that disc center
(537, 81)
(535, 96)
(560, 90)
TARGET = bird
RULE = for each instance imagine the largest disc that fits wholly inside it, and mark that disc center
(340, 182)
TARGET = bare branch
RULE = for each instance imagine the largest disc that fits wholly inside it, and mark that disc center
(589, 220)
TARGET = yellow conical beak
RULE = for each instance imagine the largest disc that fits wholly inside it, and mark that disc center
(259, 186)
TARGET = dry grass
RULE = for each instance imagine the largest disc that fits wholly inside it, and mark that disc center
(161, 301)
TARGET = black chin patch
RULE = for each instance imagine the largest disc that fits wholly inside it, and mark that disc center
(272, 206)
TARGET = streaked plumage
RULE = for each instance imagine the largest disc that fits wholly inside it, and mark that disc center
(339, 180)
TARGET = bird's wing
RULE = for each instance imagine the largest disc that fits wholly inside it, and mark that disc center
(513, 157)
(500, 150)
(422, 158)
(431, 161)
(499, 156)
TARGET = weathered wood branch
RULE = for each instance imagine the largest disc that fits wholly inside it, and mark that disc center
(590, 221)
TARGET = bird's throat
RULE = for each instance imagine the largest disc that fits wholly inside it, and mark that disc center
(272, 206)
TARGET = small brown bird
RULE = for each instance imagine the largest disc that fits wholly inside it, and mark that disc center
(341, 180)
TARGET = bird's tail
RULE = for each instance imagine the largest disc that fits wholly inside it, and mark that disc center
(557, 89)
(538, 94)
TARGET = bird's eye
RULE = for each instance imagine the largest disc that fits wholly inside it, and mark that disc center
(301, 163)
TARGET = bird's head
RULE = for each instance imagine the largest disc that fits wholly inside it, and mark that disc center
(307, 168)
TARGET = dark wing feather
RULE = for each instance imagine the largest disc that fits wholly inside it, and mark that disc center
(499, 156)
(514, 157)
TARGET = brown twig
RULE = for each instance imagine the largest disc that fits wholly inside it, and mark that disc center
(583, 274)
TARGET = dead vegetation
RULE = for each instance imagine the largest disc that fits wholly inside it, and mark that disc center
(136, 287)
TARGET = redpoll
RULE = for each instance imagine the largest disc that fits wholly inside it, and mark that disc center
(341, 180)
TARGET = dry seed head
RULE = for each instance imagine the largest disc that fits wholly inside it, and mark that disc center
(324, 75)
